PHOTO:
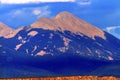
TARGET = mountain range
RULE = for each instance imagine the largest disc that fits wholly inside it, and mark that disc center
(63, 45)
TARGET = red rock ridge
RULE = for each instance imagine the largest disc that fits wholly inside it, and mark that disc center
(66, 21)
(4, 30)
(13, 33)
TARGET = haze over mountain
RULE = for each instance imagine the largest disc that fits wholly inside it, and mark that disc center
(64, 40)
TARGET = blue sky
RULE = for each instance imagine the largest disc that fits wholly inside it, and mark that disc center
(104, 14)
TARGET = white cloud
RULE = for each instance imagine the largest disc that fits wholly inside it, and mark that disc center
(17, 12)
(41, 11)
(112, 28)
(32, 11)
(36, 12)
(84, 2)
(31, 1)
(27, 15)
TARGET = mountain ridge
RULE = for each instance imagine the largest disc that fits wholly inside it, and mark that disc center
(4, 29)
(75, 25)
(61, 46)
(74, 35)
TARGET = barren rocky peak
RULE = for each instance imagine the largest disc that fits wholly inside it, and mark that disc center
(66, 21)
(14, 32)
(4, 29)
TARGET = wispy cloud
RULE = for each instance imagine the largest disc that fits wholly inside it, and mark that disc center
(26, 15)
(31, 1)
(112, 28)
(35, 11)
(115, 30)
(41, 12)
(84, 2)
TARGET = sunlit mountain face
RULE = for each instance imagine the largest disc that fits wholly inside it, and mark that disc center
(63, 45)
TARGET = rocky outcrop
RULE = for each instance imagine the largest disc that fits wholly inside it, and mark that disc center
(66, 21)
(4, 30)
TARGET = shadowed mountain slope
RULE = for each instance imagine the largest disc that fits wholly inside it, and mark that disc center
(59, 45)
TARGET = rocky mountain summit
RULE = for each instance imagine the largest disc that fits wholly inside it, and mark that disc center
(54, 46)
(4, 29)
(63, 34)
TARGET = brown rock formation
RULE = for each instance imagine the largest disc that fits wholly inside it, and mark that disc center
(66, 21)
(13, 33)
(4, 29)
